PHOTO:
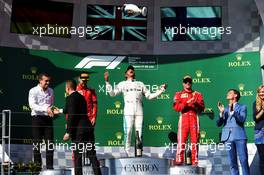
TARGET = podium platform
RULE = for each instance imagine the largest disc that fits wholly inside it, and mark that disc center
(190, 170)
(57, 172)
(133, 166)
(137, 165)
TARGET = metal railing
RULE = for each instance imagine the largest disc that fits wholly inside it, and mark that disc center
(6, 122)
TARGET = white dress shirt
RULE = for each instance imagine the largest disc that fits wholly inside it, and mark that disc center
(39, 100)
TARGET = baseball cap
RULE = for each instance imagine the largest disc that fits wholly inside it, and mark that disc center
(187, 78)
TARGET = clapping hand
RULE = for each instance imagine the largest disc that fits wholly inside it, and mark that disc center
(221, 107)
(106, 76)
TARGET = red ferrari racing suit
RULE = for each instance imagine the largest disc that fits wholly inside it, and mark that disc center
(91, 100)
(188, 122)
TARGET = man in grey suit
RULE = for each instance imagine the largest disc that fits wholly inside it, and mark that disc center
(233, 132)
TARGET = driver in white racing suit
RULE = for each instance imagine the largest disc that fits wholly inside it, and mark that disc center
(133, 112)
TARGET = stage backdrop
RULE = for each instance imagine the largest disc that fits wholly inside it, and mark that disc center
(212, 75)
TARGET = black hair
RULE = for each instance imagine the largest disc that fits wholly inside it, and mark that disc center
(236, 92)
(43, 74)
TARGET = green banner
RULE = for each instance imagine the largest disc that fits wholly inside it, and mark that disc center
(212, 75)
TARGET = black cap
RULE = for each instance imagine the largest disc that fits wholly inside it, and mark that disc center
(130, 67)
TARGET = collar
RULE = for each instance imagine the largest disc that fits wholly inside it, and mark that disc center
(131, 80)
(186, 91)
(40, 88)
(79, 87)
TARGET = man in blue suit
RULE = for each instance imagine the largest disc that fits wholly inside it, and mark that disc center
(233, 133)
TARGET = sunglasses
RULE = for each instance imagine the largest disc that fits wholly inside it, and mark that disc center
(187, 81)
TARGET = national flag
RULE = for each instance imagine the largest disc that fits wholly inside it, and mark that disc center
(113, 24)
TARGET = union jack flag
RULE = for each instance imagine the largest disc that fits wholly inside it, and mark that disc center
(113, 24)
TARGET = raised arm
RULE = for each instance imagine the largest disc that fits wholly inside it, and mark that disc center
(109, 89)
(150, 95)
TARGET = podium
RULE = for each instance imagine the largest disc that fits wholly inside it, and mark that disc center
(190, 170)
(137, 165)
(133, 166)
(56, 172)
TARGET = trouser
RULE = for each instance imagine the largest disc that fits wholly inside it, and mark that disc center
(85, 150)
(129, 122)
(188, 123)
(42, 128)
(238, 147)
(260, 148)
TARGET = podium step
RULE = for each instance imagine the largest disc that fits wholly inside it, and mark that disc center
(57, 172)
(190, 170)
(137, 165)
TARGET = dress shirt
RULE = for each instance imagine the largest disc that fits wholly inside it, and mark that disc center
(39, 100)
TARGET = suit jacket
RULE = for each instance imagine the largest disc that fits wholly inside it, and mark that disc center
(233, 124)
(78, 124)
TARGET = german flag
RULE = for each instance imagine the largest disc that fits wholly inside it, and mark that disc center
(28, 15)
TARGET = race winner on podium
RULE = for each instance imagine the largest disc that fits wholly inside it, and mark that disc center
(132, 91)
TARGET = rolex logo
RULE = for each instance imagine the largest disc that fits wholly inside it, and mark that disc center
(159, 120)
(117, 104)
(199, 78)
(239, 57)
(202, 134)
(238, 62)
(199, 73)
(241, 86)
(119, 135)
(34, 70)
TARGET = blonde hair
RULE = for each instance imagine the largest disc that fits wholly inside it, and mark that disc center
(259, 101)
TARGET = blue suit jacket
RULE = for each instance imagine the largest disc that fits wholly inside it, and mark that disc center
(233, 124)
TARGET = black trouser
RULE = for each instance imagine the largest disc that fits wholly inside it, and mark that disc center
(260, 148)
(85, 139)
(42, 128)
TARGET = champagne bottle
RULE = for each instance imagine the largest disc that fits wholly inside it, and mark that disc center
(138, 146)
(188, 156)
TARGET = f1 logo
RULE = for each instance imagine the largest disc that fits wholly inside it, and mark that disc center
(110, 62)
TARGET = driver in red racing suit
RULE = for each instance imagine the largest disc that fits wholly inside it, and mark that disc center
(189, 103)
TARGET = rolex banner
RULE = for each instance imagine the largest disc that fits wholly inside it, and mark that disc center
(212, 75)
